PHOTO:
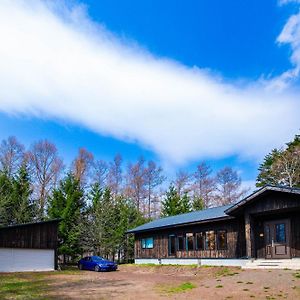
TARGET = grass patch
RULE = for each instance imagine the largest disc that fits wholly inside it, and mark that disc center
(219, 286)
(177, 289)
(30, 285)
(19, 286)
(297, 275)
(224, 271)
(249, 282)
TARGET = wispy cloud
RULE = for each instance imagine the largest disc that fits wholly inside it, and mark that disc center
(55, 63)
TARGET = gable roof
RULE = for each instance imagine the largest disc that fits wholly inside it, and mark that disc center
(211, 214)
(259, 192)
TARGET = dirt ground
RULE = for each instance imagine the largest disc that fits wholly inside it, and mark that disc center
(165, 282)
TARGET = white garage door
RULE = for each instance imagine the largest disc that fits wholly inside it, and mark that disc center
(17, 260)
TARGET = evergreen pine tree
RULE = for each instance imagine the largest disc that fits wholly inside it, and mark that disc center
(185, 203)
(198, 203)
(266, 175)
(173, 204)
(6, 199)
(23, 211)
(281, 167)
(67, 203)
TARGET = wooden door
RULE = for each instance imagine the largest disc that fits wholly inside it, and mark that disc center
(277, 239)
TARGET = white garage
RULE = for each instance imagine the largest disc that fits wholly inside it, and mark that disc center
(28, 247)
(19, 260)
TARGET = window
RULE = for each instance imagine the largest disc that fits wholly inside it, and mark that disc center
(222, 239)
(172, 245)
(280, 233)
(210, 240)
(190, 241)
(268, 235)
(147, 243)
(180, 243)
(200, 241)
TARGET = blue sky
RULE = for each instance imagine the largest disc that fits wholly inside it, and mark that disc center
(175, 81)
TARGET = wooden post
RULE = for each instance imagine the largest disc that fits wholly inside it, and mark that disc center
(248, 235)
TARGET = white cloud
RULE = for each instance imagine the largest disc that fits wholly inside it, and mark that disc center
(55, 63)
(282, 2)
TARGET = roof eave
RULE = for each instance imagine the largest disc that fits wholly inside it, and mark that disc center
(181, 225)
(260, 191)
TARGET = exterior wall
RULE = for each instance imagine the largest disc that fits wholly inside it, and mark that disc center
(273, 206)
(245, 231)
(294, 233)
(30, 236)
(29, 247)
(20, 260)
(193, 261)
(235, 241)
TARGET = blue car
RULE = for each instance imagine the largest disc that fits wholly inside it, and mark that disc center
(96, 263)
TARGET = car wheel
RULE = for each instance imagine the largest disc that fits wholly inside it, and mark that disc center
(80, 267)
(97, 268)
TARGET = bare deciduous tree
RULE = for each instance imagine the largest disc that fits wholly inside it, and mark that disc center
(204, 184)
(100, 173)
(46, 167)
(153, 178)
(182, 182)
(82, 165)
(136, 183)
(114, 177)
(11, 155)
(229, 186)
(286, 167)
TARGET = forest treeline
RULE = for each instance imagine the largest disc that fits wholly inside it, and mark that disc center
(98, 201)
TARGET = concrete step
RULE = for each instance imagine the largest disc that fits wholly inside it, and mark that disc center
(293, 264)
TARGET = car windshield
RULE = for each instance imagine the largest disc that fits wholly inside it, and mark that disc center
(97, 258)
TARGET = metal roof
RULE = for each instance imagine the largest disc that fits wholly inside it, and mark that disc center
(214, 213)
(211, 214)
(31, 224)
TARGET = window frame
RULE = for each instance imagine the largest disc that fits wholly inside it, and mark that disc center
(206, 240)
(169, 244)
(144, 243)
(202, 233)
(217, 239)
(187, 235)
(183, 242)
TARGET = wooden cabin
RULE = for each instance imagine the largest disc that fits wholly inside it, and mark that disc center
(264, 225)
(29, 247)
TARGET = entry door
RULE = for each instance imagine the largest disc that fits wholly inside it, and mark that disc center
(277, 239)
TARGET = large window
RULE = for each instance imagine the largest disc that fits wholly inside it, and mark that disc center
(147, 243)
(222, 239)
(172, 245)
(210, 240)
(280, 233)
(190, 242)
(200, 241)
(180, 241)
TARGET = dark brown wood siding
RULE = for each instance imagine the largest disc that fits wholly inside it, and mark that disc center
(235, 241)
(35, 236)
(274, 206)
(294, 232)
